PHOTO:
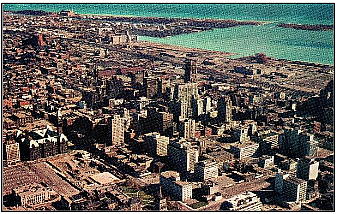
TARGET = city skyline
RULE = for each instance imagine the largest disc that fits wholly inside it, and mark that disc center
(120, 113)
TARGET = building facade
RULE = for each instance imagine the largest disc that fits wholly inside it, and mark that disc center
(205, 170)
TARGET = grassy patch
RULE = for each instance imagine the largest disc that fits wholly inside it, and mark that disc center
(198, 204)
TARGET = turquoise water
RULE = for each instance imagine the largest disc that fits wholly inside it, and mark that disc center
(311, 46)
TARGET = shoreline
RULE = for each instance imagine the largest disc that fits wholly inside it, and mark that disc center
(182, 18)
(226, 54)
(261, 22)
(182, 46)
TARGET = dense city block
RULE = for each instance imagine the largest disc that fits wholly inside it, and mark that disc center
(95, 119)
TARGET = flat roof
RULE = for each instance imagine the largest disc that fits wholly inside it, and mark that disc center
(104, 178)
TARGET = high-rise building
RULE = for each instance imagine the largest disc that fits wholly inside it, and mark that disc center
(279, 181)
(207, 104)
(242, 134)
(162, 122)
(157, 144)
(197, 107)
(183, 155)
(205, 170)
(244, 150)
(187, 128)
(190, 71)
(294, 143)
(294, 189)
(224, 108)
(176, 189)
(307, 169)
(150, 85)
(247, 201)
(184, 93)
(266, 161)
(117, 130)
(137, 79)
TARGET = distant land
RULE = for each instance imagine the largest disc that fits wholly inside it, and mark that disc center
(307, 27)
(171, 26)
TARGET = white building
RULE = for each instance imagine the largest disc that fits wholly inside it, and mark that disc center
(187, 128)
(244, 150)
(244, 202)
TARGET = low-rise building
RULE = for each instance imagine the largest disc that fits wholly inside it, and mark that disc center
(32, 194)
(243, 202)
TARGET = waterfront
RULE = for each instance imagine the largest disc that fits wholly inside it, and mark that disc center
(95, 119)
(292, 44)
(309, 46)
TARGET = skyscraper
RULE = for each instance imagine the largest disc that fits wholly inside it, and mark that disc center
(117, 130)
(197, 107)
(307, 169)
(157, 144)
(187, 128)
(295, 143)
(184, 93)
(224, 108)
(150, 85)
(183, 155)
(206, 169)
(294, 189)
(190, 71)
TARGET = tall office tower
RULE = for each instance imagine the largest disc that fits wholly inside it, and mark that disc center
(157, 144)
(59, 121)
(279, 180)
(164, 121)
(244, 150)
(117, 130)
(207, 104)
(190, 71)
(206, 169)
(187, 128)
(307, 169)
(137, 79)
(163, 86)
(242, 134)
(224, 108)
(294, 143)
(159, 121)
(184, 93)
(182, 110)
(183, 155)
(150, 87)
(294, 189)
(174, 187)
(197, 107)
